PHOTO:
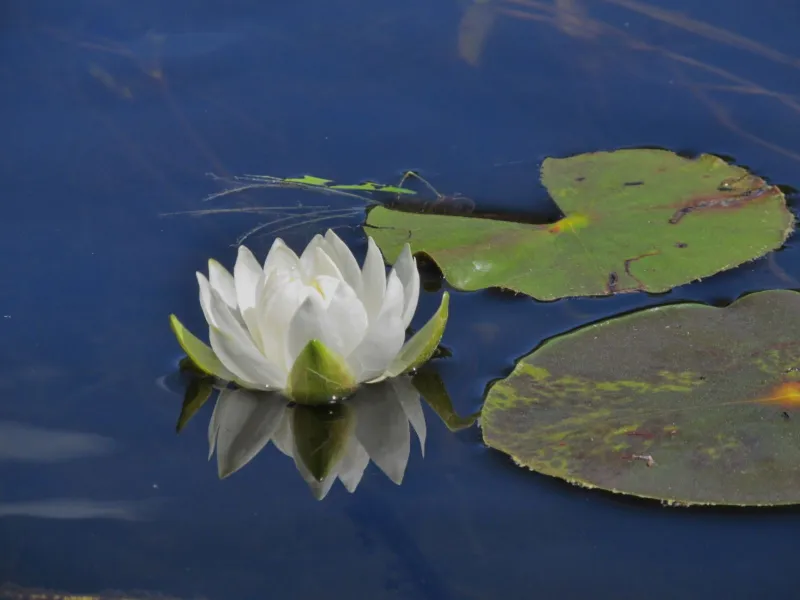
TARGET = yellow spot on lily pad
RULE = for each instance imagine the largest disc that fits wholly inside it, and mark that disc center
(786, 395)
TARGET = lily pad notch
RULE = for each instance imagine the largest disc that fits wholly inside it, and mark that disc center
(636, 220)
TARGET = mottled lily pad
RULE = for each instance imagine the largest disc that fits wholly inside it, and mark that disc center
(635, 220)
(685, 403)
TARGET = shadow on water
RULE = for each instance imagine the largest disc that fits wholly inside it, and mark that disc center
(114, 113)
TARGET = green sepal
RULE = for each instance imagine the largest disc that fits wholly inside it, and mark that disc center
(423, 344)
(319, 376)
(202, 355)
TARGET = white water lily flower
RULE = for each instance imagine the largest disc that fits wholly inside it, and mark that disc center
(373, 424)
(315, 326)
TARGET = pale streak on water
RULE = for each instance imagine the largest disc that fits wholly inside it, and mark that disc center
(24, 443)
(76, 508)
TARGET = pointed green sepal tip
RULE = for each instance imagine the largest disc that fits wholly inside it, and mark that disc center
(319, 375)
(423, 344)
(201, 355)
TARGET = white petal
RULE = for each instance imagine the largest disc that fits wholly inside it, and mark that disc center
(307, 257)
(346, 321)
(305, 326)
(277, 304)
(406, 268)
(339, 323)
(247, 421)
(373, 278)
(249, 366)
(222, 282)
(316, 263)
(205, 298)
(247, 274)
(281, 258)
(236, 350)
(326, 286)
(382, 428)
(384, 337)
(345, 260)
(249, 279)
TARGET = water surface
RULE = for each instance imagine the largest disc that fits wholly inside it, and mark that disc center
(112, 115)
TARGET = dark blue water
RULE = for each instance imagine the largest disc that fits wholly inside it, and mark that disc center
(112, 114)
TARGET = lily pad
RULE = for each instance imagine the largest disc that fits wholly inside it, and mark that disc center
(685, 403)
(635, 220)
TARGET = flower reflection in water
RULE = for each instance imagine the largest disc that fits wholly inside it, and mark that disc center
(326, 442)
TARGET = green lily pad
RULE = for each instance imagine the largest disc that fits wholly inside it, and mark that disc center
(685, 403)
(636, 220)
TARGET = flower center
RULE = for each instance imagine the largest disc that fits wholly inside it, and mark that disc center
(316, 285)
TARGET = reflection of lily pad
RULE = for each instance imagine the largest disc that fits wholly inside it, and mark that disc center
(636, 220)
(685, 403)
(430, 385)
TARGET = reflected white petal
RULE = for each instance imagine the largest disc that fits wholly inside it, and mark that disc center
(246, 422)
(283, 438)
(382, 428)
(213, 428)
(409, 399)
(353, 465)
